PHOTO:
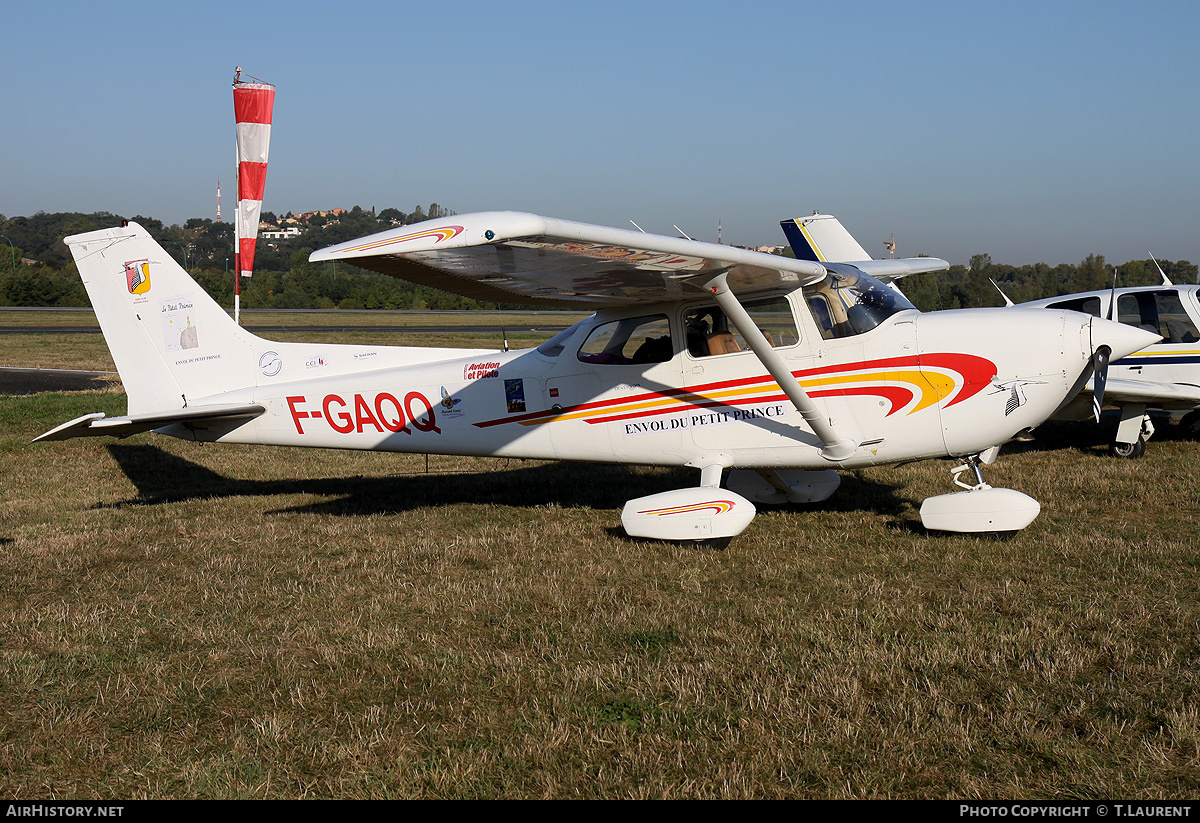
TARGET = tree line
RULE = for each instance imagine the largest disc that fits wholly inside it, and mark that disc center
(284, 279)
(972, 286)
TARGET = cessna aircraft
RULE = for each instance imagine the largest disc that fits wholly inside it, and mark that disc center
(764, 372)
(1164, 376)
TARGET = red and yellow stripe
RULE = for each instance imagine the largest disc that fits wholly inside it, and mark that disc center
(903, 382)
(440, 234)
(717, 507)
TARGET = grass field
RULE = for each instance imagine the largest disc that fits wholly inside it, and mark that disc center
(179, 620)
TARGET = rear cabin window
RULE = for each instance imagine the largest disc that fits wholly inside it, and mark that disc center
(1085, 305)
(632, 341)
(709, 332)
(1161, 312)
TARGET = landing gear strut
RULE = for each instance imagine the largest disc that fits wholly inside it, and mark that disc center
(1135, 429)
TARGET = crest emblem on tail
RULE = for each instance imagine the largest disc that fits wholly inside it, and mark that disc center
(137, 276)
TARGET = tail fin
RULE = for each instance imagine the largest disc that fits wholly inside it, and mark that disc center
(822, 239)
(171, 342)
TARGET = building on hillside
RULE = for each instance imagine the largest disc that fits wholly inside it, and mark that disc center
(272, 233)
(308, 215)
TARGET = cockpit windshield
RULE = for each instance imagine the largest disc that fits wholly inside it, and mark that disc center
(848, 302)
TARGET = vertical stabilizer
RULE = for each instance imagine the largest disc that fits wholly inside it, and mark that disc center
(171, 342)
(822, 239)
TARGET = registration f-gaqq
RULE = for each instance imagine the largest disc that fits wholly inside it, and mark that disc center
(765, 374)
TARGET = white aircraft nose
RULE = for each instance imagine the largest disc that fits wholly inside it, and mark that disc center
(1121, 338)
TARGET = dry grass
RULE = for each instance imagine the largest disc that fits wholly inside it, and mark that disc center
(180, 620)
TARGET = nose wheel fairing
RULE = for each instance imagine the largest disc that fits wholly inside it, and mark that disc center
(980, 509)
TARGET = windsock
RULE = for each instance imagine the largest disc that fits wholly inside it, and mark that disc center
(252, 106)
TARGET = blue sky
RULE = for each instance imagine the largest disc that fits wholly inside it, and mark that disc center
(1029, 131)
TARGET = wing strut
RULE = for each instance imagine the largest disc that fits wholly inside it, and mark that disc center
(836, 446)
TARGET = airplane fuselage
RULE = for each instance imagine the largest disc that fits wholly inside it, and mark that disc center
(916, 386)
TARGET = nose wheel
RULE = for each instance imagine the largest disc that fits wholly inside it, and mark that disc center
(1129, 451)
(1135, 429)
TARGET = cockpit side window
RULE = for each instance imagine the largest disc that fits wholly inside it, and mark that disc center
(848, 302)
(631, 341)
(709, 331)
(1160, 312)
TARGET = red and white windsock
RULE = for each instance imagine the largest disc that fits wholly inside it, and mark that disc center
(252, 106)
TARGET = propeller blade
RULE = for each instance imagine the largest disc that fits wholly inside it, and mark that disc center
(1100, 360)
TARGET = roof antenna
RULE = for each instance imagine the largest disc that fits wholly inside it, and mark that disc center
(503, 331)
(1007, 303)
(639, 228)
(1166, 280)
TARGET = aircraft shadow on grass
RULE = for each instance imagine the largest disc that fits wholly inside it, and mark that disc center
(161, 477)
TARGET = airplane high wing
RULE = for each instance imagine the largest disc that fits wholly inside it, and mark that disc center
(516, 257)
(765, 374)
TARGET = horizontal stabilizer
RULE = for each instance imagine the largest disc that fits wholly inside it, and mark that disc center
(97, 425)
(889, 270)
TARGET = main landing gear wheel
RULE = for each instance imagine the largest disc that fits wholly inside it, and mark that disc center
(1190, 425)
(1129, 451)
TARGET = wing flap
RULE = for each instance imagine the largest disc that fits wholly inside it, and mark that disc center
(97, 425)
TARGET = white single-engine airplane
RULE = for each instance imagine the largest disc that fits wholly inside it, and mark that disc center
(777, 371)
(1164, 376)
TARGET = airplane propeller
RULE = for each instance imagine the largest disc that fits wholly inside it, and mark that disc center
(1100, 358)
